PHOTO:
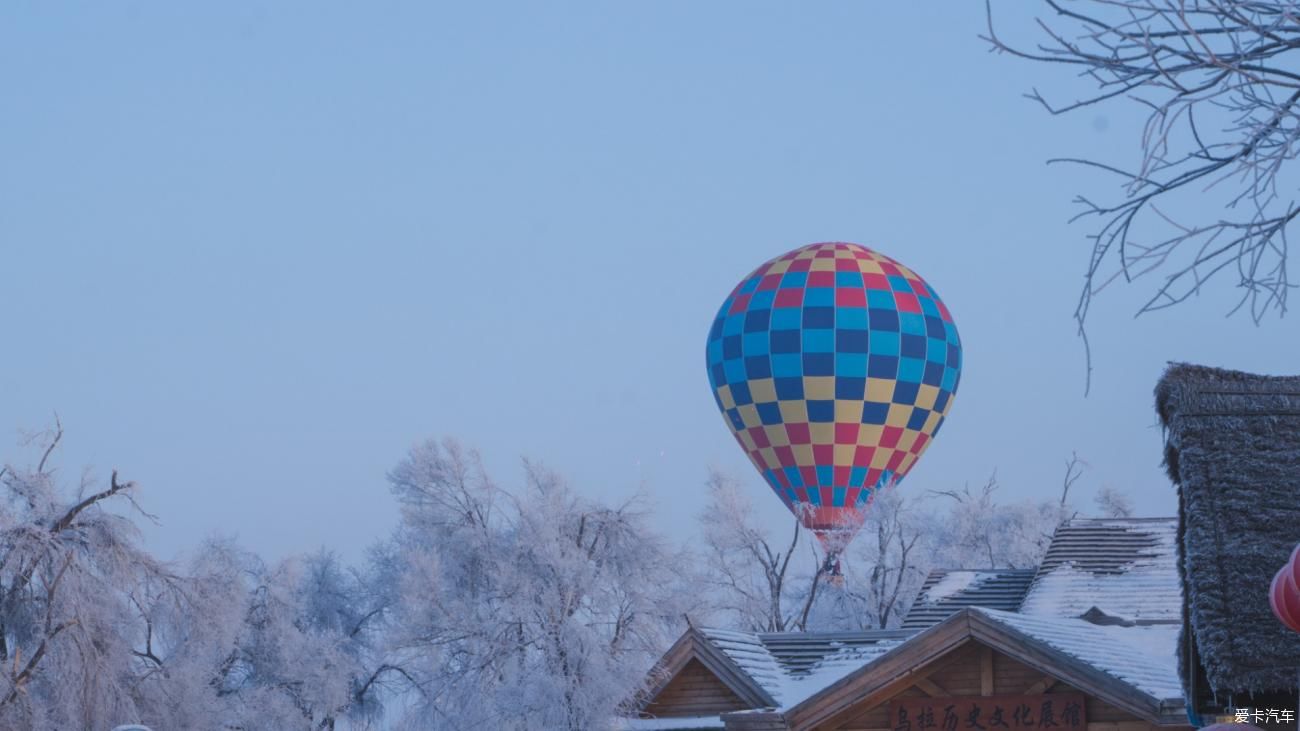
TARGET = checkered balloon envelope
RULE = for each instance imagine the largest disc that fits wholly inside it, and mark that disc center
(834, 367)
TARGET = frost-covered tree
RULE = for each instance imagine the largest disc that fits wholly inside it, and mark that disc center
(756, 583)
(523, 609)
(1113, 503)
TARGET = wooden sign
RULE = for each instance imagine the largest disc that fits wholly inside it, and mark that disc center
(1060, 711)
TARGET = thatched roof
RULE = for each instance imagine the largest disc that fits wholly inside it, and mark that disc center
(1233, 449)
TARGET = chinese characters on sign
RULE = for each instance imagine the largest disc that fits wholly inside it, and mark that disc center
(1263, 715)
(1059, 711)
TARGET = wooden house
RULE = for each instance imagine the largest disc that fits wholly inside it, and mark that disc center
(1077, 648)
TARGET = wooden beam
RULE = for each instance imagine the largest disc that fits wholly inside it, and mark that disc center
(931, 688)
(986, 670)
(1042, 685)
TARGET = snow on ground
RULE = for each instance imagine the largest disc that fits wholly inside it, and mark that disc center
(683, 723)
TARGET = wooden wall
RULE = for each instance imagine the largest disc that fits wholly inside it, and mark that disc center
(695, 691)
(965, 672)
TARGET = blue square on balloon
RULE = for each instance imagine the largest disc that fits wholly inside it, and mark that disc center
(755, 343)
(814, 495)
(911, 323)
(825, 475)
(787, 318)
(837, 496)
(951, 331)
(736, 422)
(731, 346)
(936, 350)
(882, 366)
(787, 365)
(929, 307)
(819, 318)
(874, 413)
(949, 380)
(905, 392)
(789, 389)
(880, 299)
(819, 341)
(718, 400)
(850, 318)
(857, 476)
(750, 285)
(941, 400)
(734, 324)
(819, 364)
(851, 341)
(785, 341)
(719, 375)
(756, 320)
(848, 279)
(794, 280)
(819, 297)
(850, 388)
(735, 371)
(715, 331)
(911, 369)
(954, 357)
(884, 320)
(917, 419)
(758, 366)
(769, 413)
(899, 283)
(913, 346)
(851, 364)
(762, 300)
(715, 351)
(820, 410)
(933, 373)
(934, 327)
(793, 477)
(884, 343)
(740, 394)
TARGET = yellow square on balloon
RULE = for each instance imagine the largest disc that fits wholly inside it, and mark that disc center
(794, 412)
(776, 435)
(724, 395)
(746, 440)
(907, 440)
(869, 434)
(844, 454)
(819, 388)
(870, 266)
(769, 457)
(880, 390)
(848, 411)
(803, 454)
(823, 432)
(880, 460)
(824, 264)
(898, 415)
(931, 422)
(749, 415)
(778, 267)
(926, 395)
(763, 390)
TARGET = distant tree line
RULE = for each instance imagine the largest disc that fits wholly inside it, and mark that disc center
(487, 607)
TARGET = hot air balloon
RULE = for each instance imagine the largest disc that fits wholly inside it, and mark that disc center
(834, 367)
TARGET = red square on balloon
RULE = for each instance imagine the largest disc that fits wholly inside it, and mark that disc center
(798, 433)
(896, 460)
(739, 304)
(875, 281)
(890, 435)
(821, 279)
(801, 494)
(841, 475)
(800, 265)
(847, 433)
(759, 435)
(889, 268)
(771, 281)
(824, 454)
(789, 298)
(784, 456)
(906, 302)
(850, 297)
(847, 265)
(809, 476)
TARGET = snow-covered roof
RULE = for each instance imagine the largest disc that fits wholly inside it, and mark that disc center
(792, 666)
(946, 591)
(1143, 656)
(1125, 567)
(680, 723)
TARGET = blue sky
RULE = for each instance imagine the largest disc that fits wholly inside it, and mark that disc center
(251, 252)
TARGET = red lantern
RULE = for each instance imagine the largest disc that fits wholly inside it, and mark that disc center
(1284, 592)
